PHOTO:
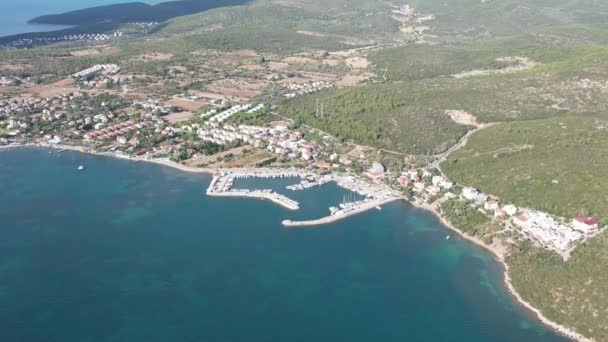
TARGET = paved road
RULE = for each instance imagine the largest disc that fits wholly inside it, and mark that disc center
(463, 141)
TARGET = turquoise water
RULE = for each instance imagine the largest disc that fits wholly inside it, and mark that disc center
(136, 252)
(15, 14)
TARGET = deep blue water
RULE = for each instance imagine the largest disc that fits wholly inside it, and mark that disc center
(136, 252)
(14, 14)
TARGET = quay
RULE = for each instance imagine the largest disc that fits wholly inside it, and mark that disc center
(221, 186)
(271, 196)
(341, 214)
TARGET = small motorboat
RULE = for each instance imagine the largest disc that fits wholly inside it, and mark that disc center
(447, 237)
(378, 207)
(81, 168)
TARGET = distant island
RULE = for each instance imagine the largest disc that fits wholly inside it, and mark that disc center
(132, 12)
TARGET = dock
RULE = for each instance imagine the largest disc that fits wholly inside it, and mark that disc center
(341, 214)
(221, 186)
(261, 194)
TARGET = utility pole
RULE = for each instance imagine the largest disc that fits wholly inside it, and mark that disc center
(317, 113)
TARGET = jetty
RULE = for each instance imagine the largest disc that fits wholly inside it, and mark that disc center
(221, 186)
(341, 214)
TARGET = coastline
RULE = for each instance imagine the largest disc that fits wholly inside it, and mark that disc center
(500, 257)
(81, 149)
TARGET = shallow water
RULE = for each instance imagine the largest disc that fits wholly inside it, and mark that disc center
(136, 252)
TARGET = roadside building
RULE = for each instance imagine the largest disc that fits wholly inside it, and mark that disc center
(499, 213)
(412, 173)
(322, 165)
(521, 220)
(418, 187)
(433, 190)
(436, 180)
(490, 205)
(376, 171)
(510, 209)
(585, 224)
(470, 193)
(446, 184)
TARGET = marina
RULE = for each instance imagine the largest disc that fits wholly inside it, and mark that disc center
(221, 185)
(365, 196)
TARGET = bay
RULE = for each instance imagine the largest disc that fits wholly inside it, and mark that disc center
(136, 252)
(15, 14)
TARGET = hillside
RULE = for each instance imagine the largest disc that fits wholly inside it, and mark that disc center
(556, 165)
(573, 293)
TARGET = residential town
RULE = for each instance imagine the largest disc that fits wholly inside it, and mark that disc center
(24, 43)
(220, 129)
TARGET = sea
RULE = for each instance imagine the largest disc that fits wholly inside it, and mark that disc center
(15, 14)
(126, 251)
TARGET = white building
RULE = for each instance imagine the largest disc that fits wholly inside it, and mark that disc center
(470, 193)
(490, 205)
(510, 209)
(585, 224)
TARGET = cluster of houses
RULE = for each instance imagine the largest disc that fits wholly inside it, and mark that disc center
(278, 139)
(87, 36)
(423, 182)
(217, 119)
(283, 141)
(152, 106)
(25, 43)
(8, 81)
(104, 69)
(113, 131)
(228, 134)
(547, 231)
(103, 82)
(29, 105)
(145, 24)
(305, 88)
